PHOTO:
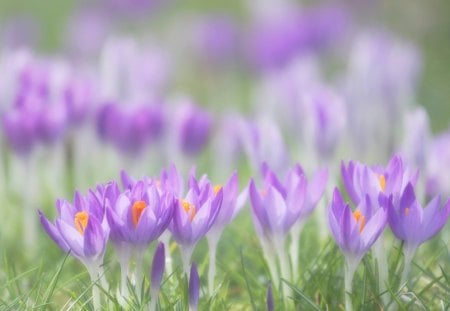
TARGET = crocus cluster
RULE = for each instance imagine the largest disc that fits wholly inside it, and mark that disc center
(381, 196)
(135, 214)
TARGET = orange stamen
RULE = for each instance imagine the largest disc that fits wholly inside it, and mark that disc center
(81, 221)
(406, 211)
(217, 189)
(382, 181)
(189, 209)
(359, 217)
(136, 211)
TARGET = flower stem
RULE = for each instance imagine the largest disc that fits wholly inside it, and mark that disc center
(270, 259)
(283, 261)
(94, 274)
(138, 275)
(380, 257)
(152, 306)
(408, 252)
(186, 254)
(165, 239)
(350, 269)
(295, 248)
(212, 243)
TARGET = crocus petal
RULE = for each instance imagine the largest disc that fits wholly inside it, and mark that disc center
(157, 268)
(194, 287)
(94, 239)
(373, 229)
(53, 232)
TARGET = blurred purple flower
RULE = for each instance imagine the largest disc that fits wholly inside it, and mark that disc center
(130, 130)
(277, 39)
(20, 130)
(382, 74)
(417, 139)
(216, 39)
(325, 120)
(194, 129)
(438, 162)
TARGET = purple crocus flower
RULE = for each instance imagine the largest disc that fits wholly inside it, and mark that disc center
(277, 207)
(194, 216)
(137, 216)
(81, 229)
(194, 129)
(413, 224)
(194, 288)
(19, 127)
(78, 98)
(130, 130)
(280, 36)
(354, 232)
(263, 142)
(216, 39)
(372, 80)
(231, 205)
(324, 122)
(281, 206)
(361, 180)
(438, 162)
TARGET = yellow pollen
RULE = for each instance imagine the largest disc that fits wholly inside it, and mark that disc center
(189, 209)
(359, 217)
(81, 221)
(382, 180)
(136, 211)
(406, 211)
(217, 189)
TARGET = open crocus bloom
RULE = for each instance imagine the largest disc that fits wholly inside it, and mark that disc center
(355, 231)
(195, 214)
(140, 214)
(361, 180)
(80, 227)
(412, 223)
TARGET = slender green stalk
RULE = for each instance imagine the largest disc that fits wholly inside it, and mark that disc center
(350, 268)
(186, 254)
(212, 244)
(138, 275)
(408, 252)
(381, 260)
(295, 249)
(94, 274)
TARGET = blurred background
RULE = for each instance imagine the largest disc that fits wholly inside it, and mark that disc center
(49, 28)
